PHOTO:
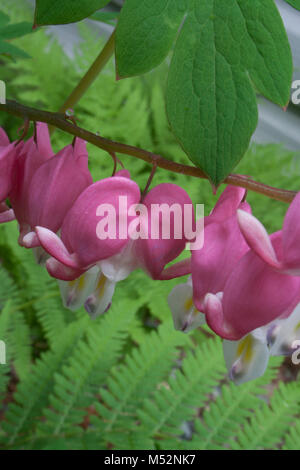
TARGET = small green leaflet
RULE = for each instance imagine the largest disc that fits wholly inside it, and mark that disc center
(294, 3)
(65, 11)
(4, 19)
(225, 51)
(12, 31)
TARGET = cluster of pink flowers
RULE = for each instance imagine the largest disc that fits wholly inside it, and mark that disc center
(244, 283)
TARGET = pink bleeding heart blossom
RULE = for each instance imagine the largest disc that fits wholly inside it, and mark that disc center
(262, 287)
(164, 224)
(7, 158)
(46, 185)
(79, 247)
(160, 236)
(223, 247)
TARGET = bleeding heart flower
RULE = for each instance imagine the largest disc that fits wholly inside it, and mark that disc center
(150, 248)
(254, 295)
(53, 189)
(223, 246)
(145, 252)
(80, 247)
(30, 156)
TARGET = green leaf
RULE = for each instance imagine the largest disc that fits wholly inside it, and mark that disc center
(105, 16)
(13, 51)
(17, 30)
(4, 19)
(145, 33)
(294, 3)
(226, 50)
(65, 11)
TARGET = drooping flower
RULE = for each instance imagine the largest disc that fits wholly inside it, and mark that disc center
(254, 295)
(265, 285)
(159, 234)
(46, 186)
(30, 156)
(79, 247)
(141, 249)
(54, 188)
(223, 246)
(159, 238)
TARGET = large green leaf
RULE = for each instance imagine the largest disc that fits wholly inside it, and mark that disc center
(65, 11)
(294, 3)
(225, 51)
(145, 33)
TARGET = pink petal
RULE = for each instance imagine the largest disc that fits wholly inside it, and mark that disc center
(223, 247)
(228, 203)
(79, 230)
(80, 155)
(62, 272)
(7, 216)
(55, 186)
(30, 240)
(124, 173)
(254, 295)
(43, 141)
(7, 159)
(154, 254)
(182, 268)
(291, 236)
(29, 157)
(4, 140)
(257, 238)
(55, 247)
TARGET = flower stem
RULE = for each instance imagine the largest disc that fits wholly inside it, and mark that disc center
(90, 76)
(59, 120)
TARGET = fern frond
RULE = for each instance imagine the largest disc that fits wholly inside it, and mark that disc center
(179, 400)
(19, 344)
(33, 392)
(223, 418)
(138, 377)
(76, 387)
(269, 424)
(292, 439)
(4, 368)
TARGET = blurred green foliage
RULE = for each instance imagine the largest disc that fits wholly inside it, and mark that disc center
(126, 380)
